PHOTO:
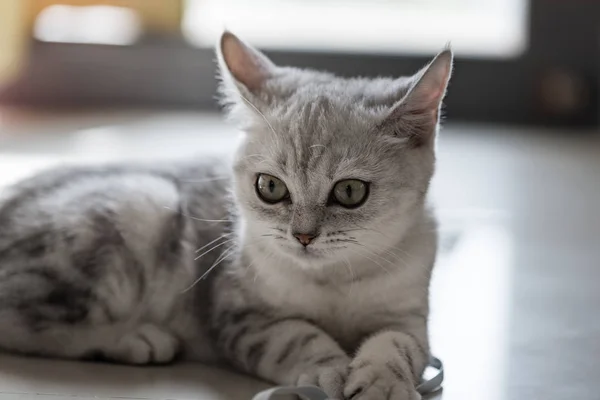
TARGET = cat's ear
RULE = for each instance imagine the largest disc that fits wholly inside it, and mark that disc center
(416, 116)
(241, 65)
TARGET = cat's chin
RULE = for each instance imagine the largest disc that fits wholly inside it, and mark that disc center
(309, 258)
(307, 253)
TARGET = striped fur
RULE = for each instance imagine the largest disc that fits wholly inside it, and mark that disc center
(141, 265)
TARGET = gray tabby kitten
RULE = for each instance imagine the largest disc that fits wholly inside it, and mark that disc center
(314, 271)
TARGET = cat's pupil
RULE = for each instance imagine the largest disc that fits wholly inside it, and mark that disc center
(271, 186)
(349, 191)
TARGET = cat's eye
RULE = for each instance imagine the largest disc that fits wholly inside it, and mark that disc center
(350, 193)
(271, 189)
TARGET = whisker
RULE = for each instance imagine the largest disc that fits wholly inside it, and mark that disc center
(374, 253)
(213, 241)
(214, 247)
(225, 242)
(196, 218)
(353, 230)
(347, 240)
(278, 237)
(254, 156)
(385, 236)
(370, 229)
(269, 255)
(259, 113)
(353, 240)
(386, 251)
(251, 264)
(395, 256)
(225, 255)
(403, 251)
(218, 261)
(390, 253)
(351, 273)
(369, 258)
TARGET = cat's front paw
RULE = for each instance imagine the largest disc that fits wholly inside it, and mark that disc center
(371, 380)
(148, 344)
(330, 377)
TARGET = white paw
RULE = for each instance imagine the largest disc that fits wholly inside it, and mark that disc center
(147, 344)
(379, 381)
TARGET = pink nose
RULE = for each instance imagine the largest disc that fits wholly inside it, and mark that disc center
(305, 238)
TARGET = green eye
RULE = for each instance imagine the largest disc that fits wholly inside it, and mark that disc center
(270, 189)
(350, 193)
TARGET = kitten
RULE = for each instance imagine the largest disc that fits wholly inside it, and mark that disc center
(315, 249)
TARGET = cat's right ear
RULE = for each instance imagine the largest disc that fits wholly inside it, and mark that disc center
(242, 68)
(415, 118)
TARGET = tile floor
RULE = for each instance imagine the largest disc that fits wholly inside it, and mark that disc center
(516, 293)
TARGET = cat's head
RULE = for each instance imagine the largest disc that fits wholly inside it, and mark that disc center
(331, 169)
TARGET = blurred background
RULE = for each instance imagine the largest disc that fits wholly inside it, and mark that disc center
(518, 61)
(515, 294)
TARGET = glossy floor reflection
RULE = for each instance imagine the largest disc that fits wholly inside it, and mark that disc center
(515, 295)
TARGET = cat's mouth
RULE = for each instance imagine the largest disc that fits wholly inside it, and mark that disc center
(311, 252)
(307, 253)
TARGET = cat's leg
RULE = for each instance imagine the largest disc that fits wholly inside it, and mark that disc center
(144, 344)
(389, 364)
(58, 312)
(94, 266)
(44, 314)
(286, 351)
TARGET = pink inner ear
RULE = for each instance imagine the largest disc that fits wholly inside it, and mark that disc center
(430, 89)
(246, 66)
(429, 95)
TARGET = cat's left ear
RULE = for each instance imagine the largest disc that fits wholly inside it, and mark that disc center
(416, 116)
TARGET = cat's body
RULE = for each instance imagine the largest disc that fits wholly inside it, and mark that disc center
(89, 254)
(315, 253)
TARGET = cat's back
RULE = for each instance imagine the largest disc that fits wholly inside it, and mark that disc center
(110, 247)
(142, 205)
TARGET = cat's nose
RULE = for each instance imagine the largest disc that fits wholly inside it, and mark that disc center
(305, 238)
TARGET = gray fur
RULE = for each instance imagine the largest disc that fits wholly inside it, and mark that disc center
(100, 261)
